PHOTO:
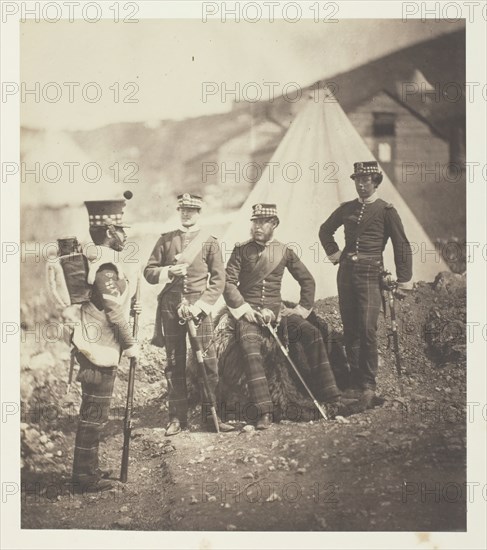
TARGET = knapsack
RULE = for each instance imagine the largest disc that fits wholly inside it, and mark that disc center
(67, 274)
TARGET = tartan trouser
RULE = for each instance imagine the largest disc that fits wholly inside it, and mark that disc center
(360, 304)
(319, 378)
(93, 415)
(175, 335)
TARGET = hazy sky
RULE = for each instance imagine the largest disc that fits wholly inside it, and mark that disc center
(170, 60)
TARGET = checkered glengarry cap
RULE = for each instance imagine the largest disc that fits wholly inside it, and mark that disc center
(102, 213)
(365, 168)
(188, 200)
(263, 211)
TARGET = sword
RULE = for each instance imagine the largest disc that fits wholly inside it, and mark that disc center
(201, 366)
(388, 287)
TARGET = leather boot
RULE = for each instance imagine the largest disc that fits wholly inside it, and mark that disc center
(264, 422)
(104, 474)
(369, 400)
(352, 393)
(90, 484)
(341, 407)
(223, 427)
(173, 428)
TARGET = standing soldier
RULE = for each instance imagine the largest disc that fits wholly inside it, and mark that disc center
(253, 295)
(99, 339)
(188, 262)
(368, 222)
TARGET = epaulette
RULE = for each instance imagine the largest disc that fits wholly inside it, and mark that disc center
(389, 205)
(168, 232)
(347, 202)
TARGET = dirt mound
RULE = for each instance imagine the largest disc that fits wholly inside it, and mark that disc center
(431, 324)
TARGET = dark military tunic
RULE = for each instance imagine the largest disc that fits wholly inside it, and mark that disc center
(368, 225)
(202, 286)
(245, 286)
(254, 276)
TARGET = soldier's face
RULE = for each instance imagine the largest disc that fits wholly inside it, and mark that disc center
(365, 186)
(189, 216)
(262, 230)
(118, 239)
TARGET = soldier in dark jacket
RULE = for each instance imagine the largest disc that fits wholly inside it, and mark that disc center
(368, 222)
(253, 295)
(189, 265)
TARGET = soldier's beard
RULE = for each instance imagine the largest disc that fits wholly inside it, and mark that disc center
(262, 235)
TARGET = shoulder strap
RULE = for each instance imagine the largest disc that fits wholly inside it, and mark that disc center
(188, 255)
(271, 257)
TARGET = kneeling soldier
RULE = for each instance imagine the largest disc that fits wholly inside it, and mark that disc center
(253, 295)
(189, 264)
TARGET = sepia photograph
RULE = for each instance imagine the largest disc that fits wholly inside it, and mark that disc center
(243, 258)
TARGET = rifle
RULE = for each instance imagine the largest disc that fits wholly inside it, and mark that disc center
(71, 370)
(388, 287)
(127, 422)
(272, 330)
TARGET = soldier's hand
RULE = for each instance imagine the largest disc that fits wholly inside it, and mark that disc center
(195, 311)
(178, 270)
(401, 293)
(135, 308)
(251, 317)
(132, 351)
(285, 311)
(184, 312)
(267, 316)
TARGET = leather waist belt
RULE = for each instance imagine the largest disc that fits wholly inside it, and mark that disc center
(360, 259)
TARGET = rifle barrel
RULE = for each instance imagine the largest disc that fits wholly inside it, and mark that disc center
(127, 424)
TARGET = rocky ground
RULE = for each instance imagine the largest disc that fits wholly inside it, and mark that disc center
(398, 467)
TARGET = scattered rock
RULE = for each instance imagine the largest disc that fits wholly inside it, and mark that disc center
(123, 522)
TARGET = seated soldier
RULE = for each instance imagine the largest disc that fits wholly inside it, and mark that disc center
(253, 295)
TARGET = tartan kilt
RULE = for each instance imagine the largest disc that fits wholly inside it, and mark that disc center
(97, 388)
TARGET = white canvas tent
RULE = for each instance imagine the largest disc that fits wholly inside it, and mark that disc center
(308, 177)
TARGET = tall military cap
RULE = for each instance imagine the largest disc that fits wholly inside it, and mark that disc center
(367, 168)
(189, 200)
(260, 211)
(104, 213)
